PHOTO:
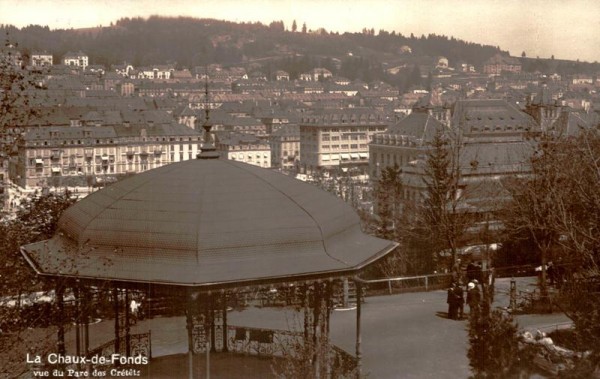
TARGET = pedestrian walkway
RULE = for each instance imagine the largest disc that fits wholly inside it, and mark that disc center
(403, 336)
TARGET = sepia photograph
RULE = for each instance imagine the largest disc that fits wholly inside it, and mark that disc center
(299, 189)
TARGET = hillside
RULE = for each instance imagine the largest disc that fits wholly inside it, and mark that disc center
(189, 42)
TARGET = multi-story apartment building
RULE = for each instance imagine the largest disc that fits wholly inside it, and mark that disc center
(245, 148)
(333, 137)
(499, 63)
(87, 155)
(154, 72)
(78, 59)
(41, 59)
(285, 146)
(490, 140)
(316, 74)
(402, 142)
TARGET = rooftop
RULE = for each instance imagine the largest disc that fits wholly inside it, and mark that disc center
(207, 223)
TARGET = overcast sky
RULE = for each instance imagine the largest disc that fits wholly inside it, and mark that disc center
(567, 29)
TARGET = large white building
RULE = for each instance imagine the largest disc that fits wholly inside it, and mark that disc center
(41, 59)
(86, 156)
(78, 59)
(333, 137)
(245, 148)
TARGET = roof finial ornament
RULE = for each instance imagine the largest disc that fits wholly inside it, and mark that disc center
(208, 150)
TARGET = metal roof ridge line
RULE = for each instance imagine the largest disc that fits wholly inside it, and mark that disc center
(304, 210)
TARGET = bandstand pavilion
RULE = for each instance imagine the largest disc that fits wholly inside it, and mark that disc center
(202, 231)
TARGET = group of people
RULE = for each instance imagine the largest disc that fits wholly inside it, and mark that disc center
(456, 300)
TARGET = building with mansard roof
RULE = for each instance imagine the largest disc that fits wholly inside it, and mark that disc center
(100, 146)
(489, 139)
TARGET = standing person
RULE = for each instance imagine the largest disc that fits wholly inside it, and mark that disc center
(452, 303)
(460, 300)
(473, 297)
(471, 271)
(134, 307)
(478, 272)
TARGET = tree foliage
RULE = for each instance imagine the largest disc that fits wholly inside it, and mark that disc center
(558, 207)
(36, 220)
(16, 84)
(180, 39)
(442, 213)
(388, 195)
(493, 343)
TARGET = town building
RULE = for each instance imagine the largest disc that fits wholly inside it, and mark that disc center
(89, 153)
(245, 148)
(333, 137)
(41, 59)
(544, 108)
(285, 146)
(282, 75)
(78, 59)
(316, 74)
(498, 64)
(490, 140)
(154, 72)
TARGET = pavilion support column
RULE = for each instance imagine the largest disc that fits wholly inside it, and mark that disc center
(77, 321)
(115, 293)
(358, 337)
(326, 319)
(85, 309)
(316, 337)
(305, 305)
(127, 325)
(224, 298)
(189, 315)
(211, 315)
(208, 330)
(60, 317)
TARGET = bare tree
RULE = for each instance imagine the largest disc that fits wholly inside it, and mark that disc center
(558, 208)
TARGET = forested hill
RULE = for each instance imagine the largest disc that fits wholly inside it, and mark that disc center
(191, 42)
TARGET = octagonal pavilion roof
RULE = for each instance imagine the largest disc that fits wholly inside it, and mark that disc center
(207, 223)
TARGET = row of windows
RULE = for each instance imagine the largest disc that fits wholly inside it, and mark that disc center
(344, 146)
(111, 141)
(345, 137)
(249, 155)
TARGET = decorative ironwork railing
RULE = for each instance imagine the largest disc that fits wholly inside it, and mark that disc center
(255, 341)
(137, 344)
(282, 344)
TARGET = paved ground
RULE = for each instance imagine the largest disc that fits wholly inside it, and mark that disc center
(404, 336)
